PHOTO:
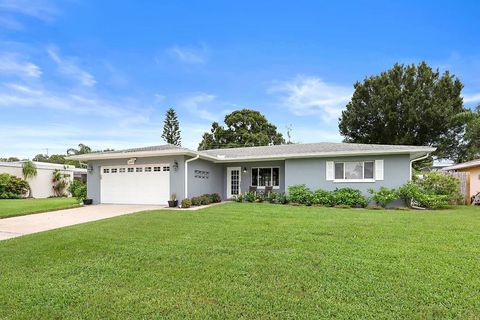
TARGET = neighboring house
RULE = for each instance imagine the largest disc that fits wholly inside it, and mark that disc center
(150, 175)
(473, 168)
(42, 185)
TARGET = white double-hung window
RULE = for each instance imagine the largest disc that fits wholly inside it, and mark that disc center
(355, 171)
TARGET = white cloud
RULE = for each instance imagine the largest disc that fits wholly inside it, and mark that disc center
(471, 98)
(305, 96)
(158, 98)
(9, 22)
(14, 64)
(189, 55)
(15, 95)
(40, 9)
(69, 67)
(196, 104)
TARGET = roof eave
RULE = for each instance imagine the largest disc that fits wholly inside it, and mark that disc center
(414, 153)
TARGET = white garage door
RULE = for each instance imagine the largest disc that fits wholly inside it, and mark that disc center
(135, 184)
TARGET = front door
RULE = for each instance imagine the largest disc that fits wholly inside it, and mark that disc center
(233, 181)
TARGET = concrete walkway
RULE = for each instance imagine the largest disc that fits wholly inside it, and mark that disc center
(33, 223)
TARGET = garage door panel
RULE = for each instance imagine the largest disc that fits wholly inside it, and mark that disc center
(145, 184)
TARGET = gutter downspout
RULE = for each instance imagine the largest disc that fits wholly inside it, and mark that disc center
(186, 173)
(414, 160)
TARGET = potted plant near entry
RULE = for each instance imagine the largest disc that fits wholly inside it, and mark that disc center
(173, 202)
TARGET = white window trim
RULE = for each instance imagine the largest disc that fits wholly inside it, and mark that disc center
(271, 177)
(369, 180)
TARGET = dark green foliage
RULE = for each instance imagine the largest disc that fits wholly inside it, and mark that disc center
(435, 190)
(171, 128)
(300, 194)
(215, 198)
(78, 189)
(345, 196)
(243, 128)
(348, 196)
(249, 197)
(186, 203)
(196, 201)
(384, 196)
(12, 187)
(440, 183)
(408, 104)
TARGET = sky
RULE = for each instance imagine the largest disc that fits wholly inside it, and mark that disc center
(104, 72)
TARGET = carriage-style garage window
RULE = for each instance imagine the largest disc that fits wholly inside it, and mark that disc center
(156, 169)
(262, 177)
(139, 169)
(148, 169)
(114, 170)
(354, 170)
(121, 170)
(106, 170)
(130, 169)
(166, 168)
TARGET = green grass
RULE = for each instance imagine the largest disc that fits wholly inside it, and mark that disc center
(249, 261)
(19, 207)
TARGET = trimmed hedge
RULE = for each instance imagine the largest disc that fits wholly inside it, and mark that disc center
(205, 199)
(301, 194)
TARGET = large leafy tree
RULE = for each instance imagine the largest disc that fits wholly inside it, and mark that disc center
(171, 128)
(243, 128)
(408, 104)
(470, 148)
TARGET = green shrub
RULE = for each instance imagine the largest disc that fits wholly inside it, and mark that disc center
(281, 198)
(196, 201)
(215, 198)
(428, 192)
(384, 196)
(260, 197)
(272, 197)
(12, 187)
(322, 198)
(249, 197)
(440, 183)
(238, 198)
(78, 189)
(186, 203)
(205, 199)
(300, 194)
(348, 196)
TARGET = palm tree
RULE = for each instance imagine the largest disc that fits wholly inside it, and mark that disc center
(29, 170)
(82, 149)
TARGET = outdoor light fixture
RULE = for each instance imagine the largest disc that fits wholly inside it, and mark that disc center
(175, 165)
(244, 169)
(90, 169)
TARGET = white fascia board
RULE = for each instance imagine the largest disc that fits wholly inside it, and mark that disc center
(138, 154)
(324, 155)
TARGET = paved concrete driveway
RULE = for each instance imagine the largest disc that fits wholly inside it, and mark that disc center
(33, 223)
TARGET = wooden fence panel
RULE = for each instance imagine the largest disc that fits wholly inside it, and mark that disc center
(464, 178)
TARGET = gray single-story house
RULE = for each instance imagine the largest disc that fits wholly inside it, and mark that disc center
(150, 175)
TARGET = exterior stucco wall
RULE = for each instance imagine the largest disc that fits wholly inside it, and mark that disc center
(41, 185)
(202, 182)
(177, 178)
(312, 172)
(246, 178)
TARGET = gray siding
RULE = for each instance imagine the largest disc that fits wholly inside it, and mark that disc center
(312, 172)
(246, 178)
(197, 185)
(177, 178)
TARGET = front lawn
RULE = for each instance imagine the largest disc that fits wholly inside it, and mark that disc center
(249, 261)
(19, 207)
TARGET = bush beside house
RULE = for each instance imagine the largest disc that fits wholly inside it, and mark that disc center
(12, 187)
(202, 200)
